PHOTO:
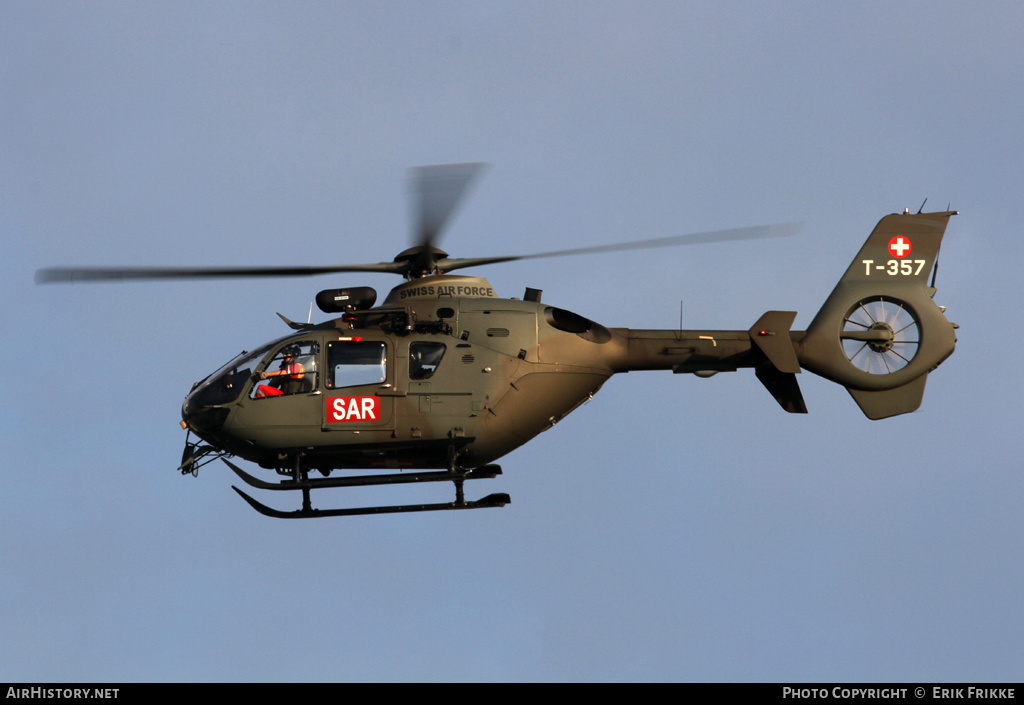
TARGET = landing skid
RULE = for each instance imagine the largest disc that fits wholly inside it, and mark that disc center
(305, 485)
(491, 500)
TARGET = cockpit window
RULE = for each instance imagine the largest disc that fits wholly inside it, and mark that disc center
(292, 370)
(424, 357)
(351, 363)
(224, 385)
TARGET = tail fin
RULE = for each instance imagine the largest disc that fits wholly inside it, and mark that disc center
(879, 333)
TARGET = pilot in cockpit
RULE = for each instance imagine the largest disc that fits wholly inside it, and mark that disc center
(287, 379)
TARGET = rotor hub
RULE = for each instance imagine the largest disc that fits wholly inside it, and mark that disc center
(420, 260)
(884, 337)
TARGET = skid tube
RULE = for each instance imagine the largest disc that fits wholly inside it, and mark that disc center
(306, 485)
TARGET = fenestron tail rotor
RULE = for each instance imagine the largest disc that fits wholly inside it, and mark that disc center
(880, 335)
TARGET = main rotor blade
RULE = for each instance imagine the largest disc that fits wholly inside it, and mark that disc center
(758, 232)
(53, 275)
(437, 190)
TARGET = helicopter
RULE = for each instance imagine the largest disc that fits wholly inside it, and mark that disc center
(445, 377)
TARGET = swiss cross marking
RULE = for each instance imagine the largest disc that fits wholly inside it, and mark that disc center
(899, 246)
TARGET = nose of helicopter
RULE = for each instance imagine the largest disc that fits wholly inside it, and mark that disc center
(202, 418)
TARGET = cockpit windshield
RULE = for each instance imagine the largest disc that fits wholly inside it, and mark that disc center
(224, 385)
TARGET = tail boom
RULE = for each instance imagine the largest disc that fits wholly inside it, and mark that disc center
(879, 333)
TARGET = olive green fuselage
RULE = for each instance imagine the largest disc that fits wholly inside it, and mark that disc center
(507, 370)
(445, 374)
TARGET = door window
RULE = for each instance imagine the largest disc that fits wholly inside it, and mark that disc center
(424, 357)
(352, 363)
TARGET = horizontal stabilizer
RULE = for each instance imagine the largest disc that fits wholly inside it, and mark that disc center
(771, 335)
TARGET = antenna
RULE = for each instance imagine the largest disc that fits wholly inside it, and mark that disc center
(922, 207)
(309, 318)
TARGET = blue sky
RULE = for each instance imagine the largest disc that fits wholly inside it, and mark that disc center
(673, 528)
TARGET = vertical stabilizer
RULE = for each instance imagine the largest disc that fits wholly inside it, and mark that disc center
(880, 333)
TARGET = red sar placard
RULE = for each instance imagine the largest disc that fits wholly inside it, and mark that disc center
(348, 409)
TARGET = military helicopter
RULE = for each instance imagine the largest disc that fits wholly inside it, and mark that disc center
(445, 377)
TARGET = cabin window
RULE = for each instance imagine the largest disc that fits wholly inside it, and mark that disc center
(292, 370)
(424, 358)
(351, 363)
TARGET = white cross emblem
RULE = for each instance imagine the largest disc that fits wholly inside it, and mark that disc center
(899, 246)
